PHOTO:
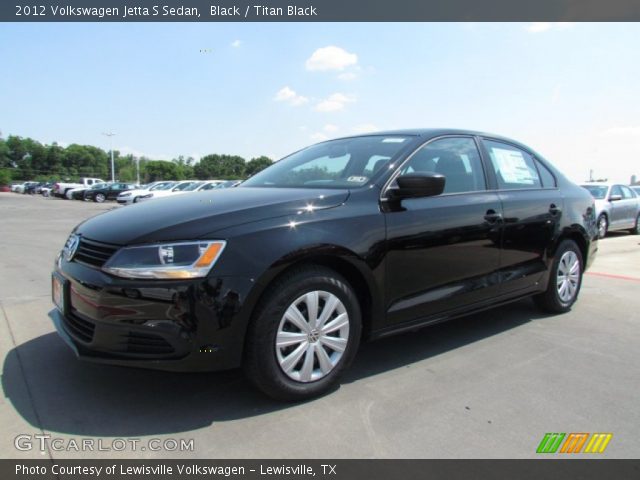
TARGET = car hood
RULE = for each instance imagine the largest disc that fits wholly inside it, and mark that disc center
(199, 214)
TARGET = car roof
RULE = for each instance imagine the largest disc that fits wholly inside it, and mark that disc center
(427, 133)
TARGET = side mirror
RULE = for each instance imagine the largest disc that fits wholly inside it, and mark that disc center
(615, 198)
(416, 185)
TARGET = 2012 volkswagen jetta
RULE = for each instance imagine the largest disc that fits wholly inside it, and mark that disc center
(350, 239)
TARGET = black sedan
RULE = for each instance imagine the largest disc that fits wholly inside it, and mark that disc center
(108, 191)
(350, 239)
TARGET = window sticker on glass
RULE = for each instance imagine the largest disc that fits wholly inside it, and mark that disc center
(393, 140)
(513, 166)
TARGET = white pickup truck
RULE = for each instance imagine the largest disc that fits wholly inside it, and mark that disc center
(61, 188)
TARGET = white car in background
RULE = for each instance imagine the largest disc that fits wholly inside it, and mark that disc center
(203, 185)
(133, 196)
(176, 189)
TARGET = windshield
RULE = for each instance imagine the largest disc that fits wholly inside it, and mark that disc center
(160, 186)
(597, 191)
(164, 186)
(193, 186)
(343, 163)
(182, 186)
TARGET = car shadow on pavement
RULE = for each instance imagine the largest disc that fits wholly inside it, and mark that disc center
(85, 399)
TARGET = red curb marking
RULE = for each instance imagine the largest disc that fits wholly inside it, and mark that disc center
(610, 275)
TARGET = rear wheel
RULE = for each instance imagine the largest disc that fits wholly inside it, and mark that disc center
(565, 279)
(99, 198)
(135, 200)
(304, 335)
(603, 225)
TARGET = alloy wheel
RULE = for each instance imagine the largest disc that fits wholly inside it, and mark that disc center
(602, 226)
(312, 336)
(568, 279)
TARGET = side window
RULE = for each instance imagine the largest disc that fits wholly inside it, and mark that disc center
(456, 158)
(626, 192)
(548, 180)
(615, 190)
(514, 168)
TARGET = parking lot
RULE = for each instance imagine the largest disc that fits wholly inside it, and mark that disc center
(486, 386)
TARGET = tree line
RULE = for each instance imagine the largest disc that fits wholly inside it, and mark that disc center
(27, 159)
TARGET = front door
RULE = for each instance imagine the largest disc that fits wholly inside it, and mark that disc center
(443, 251)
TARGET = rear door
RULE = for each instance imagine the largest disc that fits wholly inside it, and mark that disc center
(532, 207)
(443, 251)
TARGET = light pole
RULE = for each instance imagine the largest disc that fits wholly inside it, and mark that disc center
(113, 172)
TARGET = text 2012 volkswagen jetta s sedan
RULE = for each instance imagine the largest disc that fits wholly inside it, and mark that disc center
(348, 239)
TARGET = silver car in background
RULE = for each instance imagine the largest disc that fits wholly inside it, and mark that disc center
(617, 207)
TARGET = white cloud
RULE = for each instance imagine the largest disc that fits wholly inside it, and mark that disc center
(290, 96)
(330, 58)
(236, 43)
(538, 27)
(347, 76)
(365, 128)
(334, 102)
(330, 128)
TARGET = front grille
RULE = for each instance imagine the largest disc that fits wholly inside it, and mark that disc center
(79, 328)
(147, 343)
(94, 253)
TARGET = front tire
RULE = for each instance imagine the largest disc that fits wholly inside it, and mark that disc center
(305, 333)
(99, 198)
(603, 225)
(565, 279)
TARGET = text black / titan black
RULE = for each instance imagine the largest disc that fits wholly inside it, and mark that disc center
(349, 239)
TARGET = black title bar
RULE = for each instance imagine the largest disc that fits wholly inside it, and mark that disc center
(51, 469)
(317, 10)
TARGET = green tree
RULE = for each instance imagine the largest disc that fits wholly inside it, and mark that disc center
(155, 170)
(185, 167)
(5, 176)
(257, 164)
(220, 167)
(5, 160)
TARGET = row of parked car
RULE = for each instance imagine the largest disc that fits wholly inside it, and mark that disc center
(617, 206)
(96, 190)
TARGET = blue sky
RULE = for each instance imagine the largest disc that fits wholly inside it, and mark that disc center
(571, 91)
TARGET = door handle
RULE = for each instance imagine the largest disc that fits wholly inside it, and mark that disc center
(553, 209)
(492, 216)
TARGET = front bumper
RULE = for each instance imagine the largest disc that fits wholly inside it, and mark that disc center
(193, 325)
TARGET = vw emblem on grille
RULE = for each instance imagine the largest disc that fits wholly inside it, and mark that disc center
(71, 247)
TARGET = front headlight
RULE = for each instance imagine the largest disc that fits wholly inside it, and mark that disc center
(166, 260)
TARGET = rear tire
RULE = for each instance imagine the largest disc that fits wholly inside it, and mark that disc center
(303, 335)
(99, 198)
(565, 279)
